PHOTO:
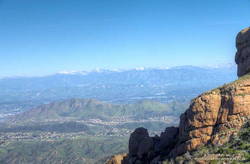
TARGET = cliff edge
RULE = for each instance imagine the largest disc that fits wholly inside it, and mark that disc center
(213, 118)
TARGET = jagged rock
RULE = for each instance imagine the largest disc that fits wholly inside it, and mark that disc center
(145, 148)
(242, 57)
(168, 140)
(141, 146)
(137, 138)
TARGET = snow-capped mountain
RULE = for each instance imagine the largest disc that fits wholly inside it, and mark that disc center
(122, 86)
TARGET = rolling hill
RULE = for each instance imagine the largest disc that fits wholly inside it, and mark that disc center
(86, 109)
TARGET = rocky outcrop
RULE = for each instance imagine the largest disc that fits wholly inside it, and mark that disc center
(116, 159)
(242, 57)
(143, 149)
(212, 118)
(140, 144)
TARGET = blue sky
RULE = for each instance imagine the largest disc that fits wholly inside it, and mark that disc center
(39, 37)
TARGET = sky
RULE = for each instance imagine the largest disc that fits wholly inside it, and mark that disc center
(40, 37)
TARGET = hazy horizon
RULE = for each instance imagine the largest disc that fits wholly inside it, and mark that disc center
(222, 65)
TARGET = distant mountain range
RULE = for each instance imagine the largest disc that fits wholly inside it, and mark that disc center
(117, 86)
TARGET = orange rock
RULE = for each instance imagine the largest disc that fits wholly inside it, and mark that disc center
(243, 52)
(215, 116)
(116, 159)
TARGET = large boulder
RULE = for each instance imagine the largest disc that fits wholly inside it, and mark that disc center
(242, 57)
(137, 142)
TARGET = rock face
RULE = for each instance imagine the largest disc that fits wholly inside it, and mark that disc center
(116, 159)
(212, 118)
(242, 57)
(140, 143)
(143, 149)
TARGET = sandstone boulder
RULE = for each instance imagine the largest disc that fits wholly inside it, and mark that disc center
(214, 116)
(242, 57)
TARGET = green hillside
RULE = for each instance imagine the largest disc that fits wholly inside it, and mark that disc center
(87, 150)
(80, 130)
(83, 109)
